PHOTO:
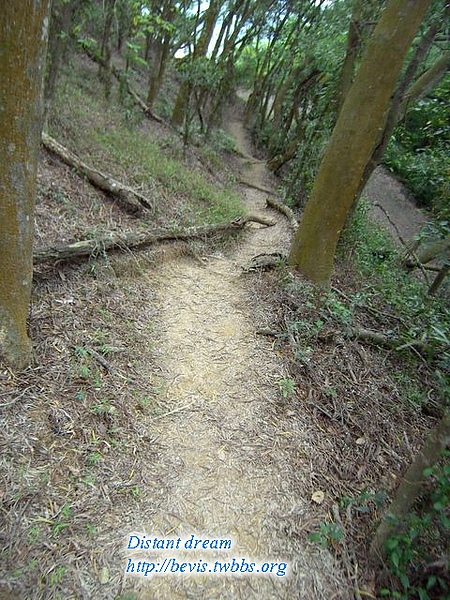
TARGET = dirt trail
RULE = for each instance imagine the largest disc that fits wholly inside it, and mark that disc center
(385, 190)
(224, 446)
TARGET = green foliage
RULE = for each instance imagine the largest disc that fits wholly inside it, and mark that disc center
(422, 317)
(287, 387)
(247, 65)
(418, 150)
(208, 202)
(328, 535)
(413, 548)
(364, 502)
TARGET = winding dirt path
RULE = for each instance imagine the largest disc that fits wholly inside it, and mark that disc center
(384, 190)
(224, 447)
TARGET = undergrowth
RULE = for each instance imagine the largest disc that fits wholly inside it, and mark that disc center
(143, 158)
(418, 150)
(422, 320)
(113, 137)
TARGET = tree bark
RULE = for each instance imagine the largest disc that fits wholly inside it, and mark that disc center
(411, 485)
(353, 140)
(129, 198)
(133, 239)
(105, 66)
(23, 31)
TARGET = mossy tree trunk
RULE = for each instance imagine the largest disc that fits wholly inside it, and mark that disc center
(353, 140)
(23, 31)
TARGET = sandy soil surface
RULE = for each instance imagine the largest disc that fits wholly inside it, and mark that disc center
(384, 190)
(224, 445)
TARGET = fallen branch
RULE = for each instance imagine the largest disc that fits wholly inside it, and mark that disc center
(146, 238)
(388, 217)
(390, 341)
(285, 210)
(121, 77)
(129, 197)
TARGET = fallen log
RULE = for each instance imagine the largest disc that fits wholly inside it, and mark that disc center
(140, 239)
(129, 197)
(285, 210)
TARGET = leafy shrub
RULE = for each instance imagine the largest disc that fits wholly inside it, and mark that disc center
(416, 568)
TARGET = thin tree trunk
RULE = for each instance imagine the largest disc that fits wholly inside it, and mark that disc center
(59, 24)
(200, 49)
(105, 66)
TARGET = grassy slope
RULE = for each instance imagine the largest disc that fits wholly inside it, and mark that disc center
(116, 137)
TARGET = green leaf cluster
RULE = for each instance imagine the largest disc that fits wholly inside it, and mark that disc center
(411, 551)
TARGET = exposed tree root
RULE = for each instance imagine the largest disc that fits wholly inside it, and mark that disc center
(285, 210)
(257, 187)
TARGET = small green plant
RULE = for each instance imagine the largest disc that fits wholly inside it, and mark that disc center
(56, 576)
(136, 491)
(338, 311)
(34, 534)
(365, 501)
(94, 458)
(287, 388)
(103, 407)
(80, 395)
(329, 534)
(84, 372)
(90, 528)
(63, 520)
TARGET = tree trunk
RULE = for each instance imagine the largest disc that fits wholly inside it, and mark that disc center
(353, 140)
(353, 48)
(61, 18)
(160, 53)
(23, 31)
(200, 49)
(105, 66)
(397, 107)
(411, 485)
(426, 82)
